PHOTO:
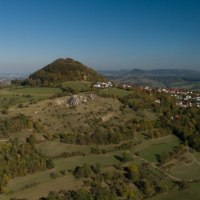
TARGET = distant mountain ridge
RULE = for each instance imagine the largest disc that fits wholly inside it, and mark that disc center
(170, 78)
(166, 72)
(62, 70)
(13, 75)
(152, 72)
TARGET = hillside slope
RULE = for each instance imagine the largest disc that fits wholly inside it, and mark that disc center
(62, 70)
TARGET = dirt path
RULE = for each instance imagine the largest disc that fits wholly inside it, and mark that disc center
(192, 156)
(161, 170)
(5, 140)
(107, 117)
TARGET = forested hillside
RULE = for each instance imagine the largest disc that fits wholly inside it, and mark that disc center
(62, 70)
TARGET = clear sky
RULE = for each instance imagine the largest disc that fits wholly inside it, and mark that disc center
(103, 34)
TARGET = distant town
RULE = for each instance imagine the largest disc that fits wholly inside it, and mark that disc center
(185, 98)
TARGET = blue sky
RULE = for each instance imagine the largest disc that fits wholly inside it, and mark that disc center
(103, 34)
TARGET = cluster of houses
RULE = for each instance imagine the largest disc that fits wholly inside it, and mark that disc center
(184, 98)
(5, 81)
(109, 84)
(188, 101)
(125, 86)
(103, 85)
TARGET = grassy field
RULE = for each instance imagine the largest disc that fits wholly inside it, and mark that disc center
(39, 184)
(38, 189)
(186, 172)
(103, 160)
(77, 86)
(40, 91)
(59, 148)
(149, 148)
(196, 156)
(186, 85)
(15, 96)
(192, 193)
(115, 92)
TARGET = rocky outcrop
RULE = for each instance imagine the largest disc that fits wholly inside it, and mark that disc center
(75, 100)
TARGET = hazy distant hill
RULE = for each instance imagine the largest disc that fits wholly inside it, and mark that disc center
(173, 78)
(166, 72)
(7, 78)
(62, 70)
(153, 72)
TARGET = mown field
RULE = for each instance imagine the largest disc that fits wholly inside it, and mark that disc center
(115, 92)
(189, 171)
(77, 86)
(192, 193)
(148, 149)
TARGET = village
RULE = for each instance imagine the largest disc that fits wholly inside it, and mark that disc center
(185, 98)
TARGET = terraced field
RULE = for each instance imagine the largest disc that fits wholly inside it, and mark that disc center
(103, 112)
